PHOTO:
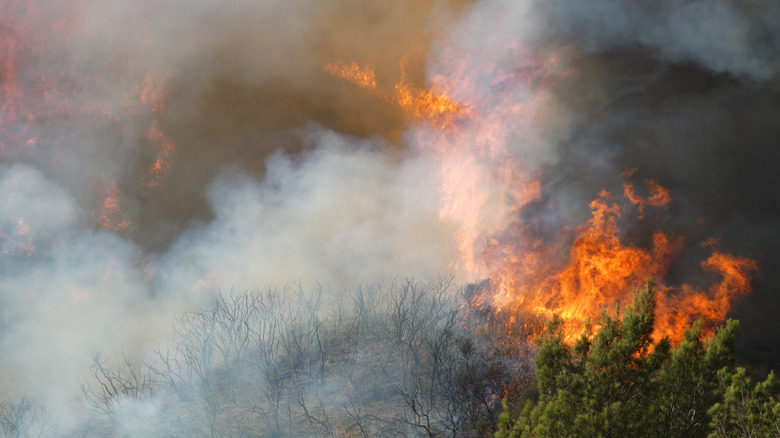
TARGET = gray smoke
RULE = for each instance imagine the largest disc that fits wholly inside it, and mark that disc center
(723, 36)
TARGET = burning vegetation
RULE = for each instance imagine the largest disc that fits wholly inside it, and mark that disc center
(429, 106)
(599, 272)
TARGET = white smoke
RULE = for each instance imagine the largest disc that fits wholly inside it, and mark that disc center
(78, 291)
(339, 214)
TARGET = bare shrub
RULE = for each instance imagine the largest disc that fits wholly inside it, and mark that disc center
(399, 359)
(23, 419)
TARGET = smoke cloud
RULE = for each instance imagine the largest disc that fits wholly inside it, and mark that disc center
(722, 36)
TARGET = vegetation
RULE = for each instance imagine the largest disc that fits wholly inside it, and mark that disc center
(402, 360)
(408, 359)
(621, 383)
(23, 419)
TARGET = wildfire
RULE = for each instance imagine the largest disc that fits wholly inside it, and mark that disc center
(486, 187)
(468, 120)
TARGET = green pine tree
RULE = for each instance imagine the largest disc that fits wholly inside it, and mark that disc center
(620, 383)
(746, 410)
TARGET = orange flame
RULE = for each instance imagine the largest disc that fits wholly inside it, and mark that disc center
(528, 275)
(14, 106)
(658, 196)
(427, 105)
(34, 100)
(161, 166)
(485, 188)
(363, 78)
(110, 216)
(601, 271)
(419, 105)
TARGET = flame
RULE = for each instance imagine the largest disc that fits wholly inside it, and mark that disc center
(658, 196)
(162, 164)
(30, 99)
(155, 94)
(431, 106)
(35, 100)
(601, 271)
(110, 215)
(486, 187)
(687, 304)
(14, 38)
(362, 77)
(427, 105)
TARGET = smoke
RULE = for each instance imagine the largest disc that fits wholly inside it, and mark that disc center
(739, 38)
(283, 173)
(280, 172)
(71, 296)
(338, 214)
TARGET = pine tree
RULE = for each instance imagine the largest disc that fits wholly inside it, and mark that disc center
(746, 410)
(621, 383)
